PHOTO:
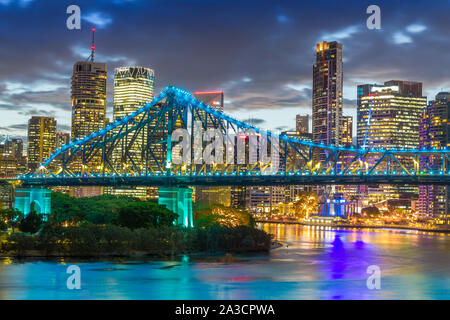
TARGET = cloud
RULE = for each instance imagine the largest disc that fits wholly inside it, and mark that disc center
(401, 38)
(20, 3)
(99, 19)
(254, 121)
(245, 48)
(283, 19)
(416, 28)
(345, 33)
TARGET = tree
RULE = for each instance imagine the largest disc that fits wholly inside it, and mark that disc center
(371, 212)
(208, 215)
(31, 223)
(65, 209)
(305, 204)
(11, 217)
(144, 215)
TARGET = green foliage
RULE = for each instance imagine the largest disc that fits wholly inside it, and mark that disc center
(3, 225)
(305, 204)
(144, 215)
(216, 214)
(222, 238)
(31, 223)
(96, 210)
(98, 240)
(19, 244)
(11, 217)
(371, 212)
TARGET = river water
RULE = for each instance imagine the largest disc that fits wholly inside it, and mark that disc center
(315, 263)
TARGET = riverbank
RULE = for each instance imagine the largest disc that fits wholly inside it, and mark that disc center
(114, 241)
(352, 226)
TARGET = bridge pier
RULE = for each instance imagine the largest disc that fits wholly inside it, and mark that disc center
(39, 198)
(178, 200)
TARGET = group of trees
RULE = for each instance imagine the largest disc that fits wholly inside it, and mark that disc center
(111, 225)
(14, 219)
(305, 204)
(217, 214)
(102, 210)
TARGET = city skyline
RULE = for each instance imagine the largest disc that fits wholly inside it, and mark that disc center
(44, 87)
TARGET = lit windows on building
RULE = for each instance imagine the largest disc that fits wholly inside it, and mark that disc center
(434, 133)
(41, 140)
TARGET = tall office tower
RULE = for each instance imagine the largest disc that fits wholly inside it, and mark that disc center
(133, 89)
(434, 133)
(302, 124)
(389, 117)
(41, 140)
(327, 93)
(12, 161)
(346, 130)
(88, 112)
(88, 98)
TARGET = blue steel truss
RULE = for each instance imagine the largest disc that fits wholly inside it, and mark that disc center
(136, 150)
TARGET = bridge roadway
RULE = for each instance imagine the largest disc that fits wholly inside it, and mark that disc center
(175, 180)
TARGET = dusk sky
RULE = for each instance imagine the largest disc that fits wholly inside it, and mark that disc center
(260, 53)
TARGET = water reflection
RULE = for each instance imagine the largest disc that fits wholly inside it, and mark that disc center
(314, 263)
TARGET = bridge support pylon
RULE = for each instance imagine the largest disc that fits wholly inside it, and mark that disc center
(39, 199)
(178, 200)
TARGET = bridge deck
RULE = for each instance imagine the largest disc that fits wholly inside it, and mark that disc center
(240, 180)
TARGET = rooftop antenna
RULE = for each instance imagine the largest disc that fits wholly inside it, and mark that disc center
(92, 45)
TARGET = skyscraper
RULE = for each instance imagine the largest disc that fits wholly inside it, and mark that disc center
(327, 93)
(41, 140)
(133, 89)
(434, 133)
(88, 98)
(302, 124)
(346, 130)
(88, 112)
(389, 117)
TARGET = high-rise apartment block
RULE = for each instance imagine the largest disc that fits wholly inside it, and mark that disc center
(327, 93)
(41, 140)
(302, 124)
(346, 130)
(88, 98)
(434, 133)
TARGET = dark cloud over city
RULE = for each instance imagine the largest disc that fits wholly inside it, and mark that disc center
(260, 53)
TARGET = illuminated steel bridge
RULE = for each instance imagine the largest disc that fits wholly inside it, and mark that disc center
(139, 150)
(109, 156)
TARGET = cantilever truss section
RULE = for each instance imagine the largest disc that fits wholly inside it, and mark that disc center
(141, 144)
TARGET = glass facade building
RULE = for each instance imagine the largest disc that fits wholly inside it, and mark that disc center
(434, 133)
(389, 117)
(327, 93)
(41, 140)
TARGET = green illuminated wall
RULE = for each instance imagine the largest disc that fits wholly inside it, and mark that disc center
(178, 200)
(41, 198)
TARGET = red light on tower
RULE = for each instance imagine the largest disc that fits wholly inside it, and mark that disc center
(93, 45)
